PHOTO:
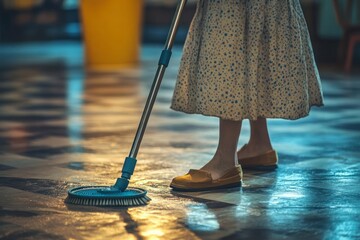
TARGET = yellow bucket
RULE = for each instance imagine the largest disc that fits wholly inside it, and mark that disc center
(112, 32)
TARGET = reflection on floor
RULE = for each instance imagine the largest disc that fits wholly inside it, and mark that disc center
(61, 127)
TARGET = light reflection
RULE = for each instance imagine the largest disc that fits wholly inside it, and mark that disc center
(153, 233)
(293, 195)
(75, 88)
(279, 198)
(199, 218)
(18, 137)
(282, 195)
(149, 223)
(348, 227)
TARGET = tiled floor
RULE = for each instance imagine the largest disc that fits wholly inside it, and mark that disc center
(61, 127)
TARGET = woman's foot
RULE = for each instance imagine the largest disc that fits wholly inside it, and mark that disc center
(225, 156)
(257, 158)
(259, 142)
(218, 166)
(252, 150)
(198, 180)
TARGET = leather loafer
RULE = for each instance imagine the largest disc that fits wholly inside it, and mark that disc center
(200, 180)
(265, 161)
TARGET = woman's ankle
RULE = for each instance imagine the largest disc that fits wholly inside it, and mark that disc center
(221, 161)
(225, 158)
(253, 149)
(256, 146)
(217, 168)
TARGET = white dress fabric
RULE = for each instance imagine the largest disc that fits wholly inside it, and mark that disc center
(245, 59)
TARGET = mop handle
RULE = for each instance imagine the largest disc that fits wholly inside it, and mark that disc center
(163, 63)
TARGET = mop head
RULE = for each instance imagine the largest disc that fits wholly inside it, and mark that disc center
(105, 196)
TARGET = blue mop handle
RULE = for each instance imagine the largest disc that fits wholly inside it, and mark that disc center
(163, 63)
(130, 161)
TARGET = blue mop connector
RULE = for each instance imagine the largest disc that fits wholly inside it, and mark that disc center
(127, 170)
(165, 57)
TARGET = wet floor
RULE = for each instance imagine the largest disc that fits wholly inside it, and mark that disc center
(61, 127)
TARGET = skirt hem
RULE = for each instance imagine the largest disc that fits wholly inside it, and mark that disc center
(249, 117)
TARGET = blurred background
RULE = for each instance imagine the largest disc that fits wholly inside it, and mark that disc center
(62, 125)
(332, 27)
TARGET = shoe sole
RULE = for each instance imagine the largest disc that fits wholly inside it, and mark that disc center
(264, 162)
(231, 185)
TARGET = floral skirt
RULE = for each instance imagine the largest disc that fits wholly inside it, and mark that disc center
(245, 59)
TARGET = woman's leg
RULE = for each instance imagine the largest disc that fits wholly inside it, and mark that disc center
(259, 139)
(225, 156)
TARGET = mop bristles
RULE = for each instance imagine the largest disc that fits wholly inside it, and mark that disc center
(98, 196)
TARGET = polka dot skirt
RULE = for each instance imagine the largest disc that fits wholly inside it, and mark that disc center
(245, 59)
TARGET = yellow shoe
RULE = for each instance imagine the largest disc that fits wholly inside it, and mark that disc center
(200, 180)
(265, 161)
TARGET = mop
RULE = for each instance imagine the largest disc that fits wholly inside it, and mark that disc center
(120, 194)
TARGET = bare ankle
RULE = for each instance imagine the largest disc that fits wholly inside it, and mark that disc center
(225, 158)
(253, 146)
